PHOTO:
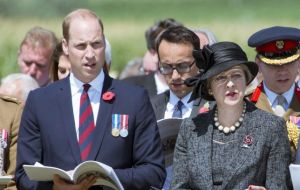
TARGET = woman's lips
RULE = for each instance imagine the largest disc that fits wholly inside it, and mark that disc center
(231, 94)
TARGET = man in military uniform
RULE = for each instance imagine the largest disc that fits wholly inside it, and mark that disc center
(278, 60)
(10, 116)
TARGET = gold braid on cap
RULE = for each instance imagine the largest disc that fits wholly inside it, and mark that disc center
(293, 133)
(280, 61)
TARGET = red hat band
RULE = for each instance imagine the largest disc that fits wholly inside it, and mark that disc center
(277, 46)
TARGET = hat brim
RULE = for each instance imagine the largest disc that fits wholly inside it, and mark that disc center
(215, 70)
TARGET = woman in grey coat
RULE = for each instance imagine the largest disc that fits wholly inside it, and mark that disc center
(234, 145)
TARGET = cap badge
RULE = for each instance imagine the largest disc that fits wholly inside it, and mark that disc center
(280, 44)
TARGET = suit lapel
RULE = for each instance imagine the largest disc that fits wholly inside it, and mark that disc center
(64, 101)
(162, 105)
(104, 116)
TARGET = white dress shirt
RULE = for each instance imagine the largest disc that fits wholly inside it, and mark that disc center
(94, 93)
(186, 109)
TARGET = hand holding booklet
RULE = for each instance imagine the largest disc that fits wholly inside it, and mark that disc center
(104, 173)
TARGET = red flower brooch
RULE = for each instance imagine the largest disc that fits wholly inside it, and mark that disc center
(247, 141)
(108, 96)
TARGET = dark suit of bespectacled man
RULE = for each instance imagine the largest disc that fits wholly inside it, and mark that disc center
(175, 47)
(50, 131)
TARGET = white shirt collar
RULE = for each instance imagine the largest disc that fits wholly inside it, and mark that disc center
(173, 100)
(96, 84)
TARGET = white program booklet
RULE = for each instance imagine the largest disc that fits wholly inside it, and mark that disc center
(295, 174)
(105, 174)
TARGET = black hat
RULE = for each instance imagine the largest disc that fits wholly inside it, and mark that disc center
(276, 45)
(217, 58)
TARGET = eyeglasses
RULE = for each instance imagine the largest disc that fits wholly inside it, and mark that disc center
(167, 69)
(234, 77)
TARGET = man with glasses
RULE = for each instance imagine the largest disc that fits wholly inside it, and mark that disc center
(176, 63)
(175, 49)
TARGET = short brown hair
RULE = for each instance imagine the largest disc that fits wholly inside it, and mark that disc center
(83, 13)
(39, 37)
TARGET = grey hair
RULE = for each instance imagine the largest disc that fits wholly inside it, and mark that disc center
(23, 83)
(208, 33)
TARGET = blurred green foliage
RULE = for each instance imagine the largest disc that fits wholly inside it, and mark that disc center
(125, 21)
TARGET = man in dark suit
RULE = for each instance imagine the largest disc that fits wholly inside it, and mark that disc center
(176, 62)
(73, 120)
(175, 48)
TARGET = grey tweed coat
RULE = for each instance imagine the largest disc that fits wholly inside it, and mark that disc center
(263, 162)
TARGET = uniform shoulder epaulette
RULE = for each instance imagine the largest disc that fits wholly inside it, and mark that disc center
(10, 99)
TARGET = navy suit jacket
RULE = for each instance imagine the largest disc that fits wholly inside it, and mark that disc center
(47, 135)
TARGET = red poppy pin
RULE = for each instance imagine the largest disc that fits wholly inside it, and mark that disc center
(108, 96)
(247, 141)
(204, 108)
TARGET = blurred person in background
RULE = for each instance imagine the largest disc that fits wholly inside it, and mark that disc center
(153, 81)
(10, 116)
(18, 85)
(278, 57)
(61, 65)
(133, 68)
(35, 52)
(206, 36)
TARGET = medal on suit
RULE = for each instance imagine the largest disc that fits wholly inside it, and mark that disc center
(115, 124)
(115, 132)
(124, 126)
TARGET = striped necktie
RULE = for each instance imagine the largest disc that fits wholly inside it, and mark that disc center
(86, 123)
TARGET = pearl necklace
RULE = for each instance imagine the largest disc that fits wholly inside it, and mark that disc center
(232, 128)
